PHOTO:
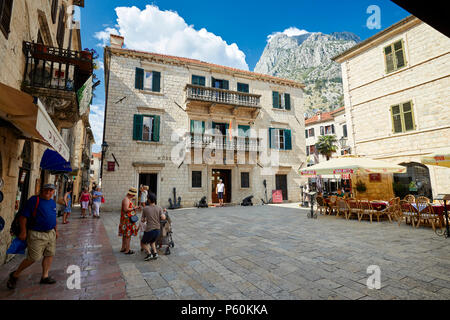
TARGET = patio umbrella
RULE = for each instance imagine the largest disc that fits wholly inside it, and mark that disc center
(440, 158)
(350, 165)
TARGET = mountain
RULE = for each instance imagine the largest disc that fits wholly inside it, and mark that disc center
(306, 57)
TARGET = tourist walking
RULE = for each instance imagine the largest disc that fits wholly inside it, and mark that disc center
(220, 191)
(39, 228)
(68, 205)
(128, 227)
(85, 199)
(94, 187)
(144, 195)
(152, 216)
(97, 202)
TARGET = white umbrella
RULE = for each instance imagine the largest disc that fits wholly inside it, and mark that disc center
(350, 165)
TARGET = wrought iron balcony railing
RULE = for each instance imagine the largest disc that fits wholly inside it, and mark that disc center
(221, 96)
(56, 68)
(221, 142)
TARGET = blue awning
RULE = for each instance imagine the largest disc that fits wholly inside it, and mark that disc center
(52, 161)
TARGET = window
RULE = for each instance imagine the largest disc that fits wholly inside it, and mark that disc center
(344, 129)
(327, 130)
(197, 127)
(54, 10)
(311, 132)
(310, 150)
(244, 131)
(61, 27)
(402, 117)
(146, 128)
(148, 80)
(306, 134)
(6, 7)
(198, 80)
(281, 100)
(196, 179)
(280, 139)
(394, 56)
(220, 84)
(245, 180)
(243, 87)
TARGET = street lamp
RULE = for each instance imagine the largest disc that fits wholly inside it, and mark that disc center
(105, 148)
(343, 143)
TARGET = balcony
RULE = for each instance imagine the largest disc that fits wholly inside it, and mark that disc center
(55, 75)
(221, 142)
(212, 100)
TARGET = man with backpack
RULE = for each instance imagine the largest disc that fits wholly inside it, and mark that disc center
(37, 225)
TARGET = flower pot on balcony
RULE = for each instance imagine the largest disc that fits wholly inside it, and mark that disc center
(40, 48)
(86, 55)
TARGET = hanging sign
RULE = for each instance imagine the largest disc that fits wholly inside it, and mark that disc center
(111, 166)
(277, 196)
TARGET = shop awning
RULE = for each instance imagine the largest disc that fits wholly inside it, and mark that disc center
(52, 161)
(29, 115)
(439, 158)
(351, 165)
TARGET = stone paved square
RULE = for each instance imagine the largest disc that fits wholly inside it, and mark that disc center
(276, 252)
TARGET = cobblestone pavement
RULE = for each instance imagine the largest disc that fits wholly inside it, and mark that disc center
(276, 252)
(83, 243)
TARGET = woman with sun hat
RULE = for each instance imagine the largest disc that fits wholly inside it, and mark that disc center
(128, 228)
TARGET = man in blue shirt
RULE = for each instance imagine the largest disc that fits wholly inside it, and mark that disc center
(38, 227)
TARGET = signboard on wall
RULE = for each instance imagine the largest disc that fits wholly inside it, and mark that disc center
(277, 196)
(111, 166)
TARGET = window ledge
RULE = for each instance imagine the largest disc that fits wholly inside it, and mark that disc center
(151, 92)
(276, 109)
(149, 142)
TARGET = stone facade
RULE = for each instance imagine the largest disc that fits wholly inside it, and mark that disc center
(171, 104)
(370, 91)
(31, 21)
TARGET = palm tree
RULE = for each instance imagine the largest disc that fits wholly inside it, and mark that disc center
(327, 146)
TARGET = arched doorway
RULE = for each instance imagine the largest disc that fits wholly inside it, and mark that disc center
(415, 181)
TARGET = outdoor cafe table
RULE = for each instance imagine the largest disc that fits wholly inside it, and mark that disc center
(438, 209)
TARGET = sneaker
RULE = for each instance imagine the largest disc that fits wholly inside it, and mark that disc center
(155, 256)
(148, 257)
(48, 280)
(12, 281)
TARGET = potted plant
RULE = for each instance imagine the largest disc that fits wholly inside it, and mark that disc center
(361, 186)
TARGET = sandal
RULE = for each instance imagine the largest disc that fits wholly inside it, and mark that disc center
(123, 250)
(129, 252)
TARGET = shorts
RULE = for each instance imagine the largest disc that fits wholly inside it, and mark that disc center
(220, 195)
(40, 244)
(151, 236)
(84, 204)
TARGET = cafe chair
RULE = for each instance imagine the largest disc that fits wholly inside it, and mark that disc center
(333, 205)
(366, 209)
(353, 208)
(407, 213)
(410, 198)
(342, 207)
(423, 200)
(321, 205)
(426, 214)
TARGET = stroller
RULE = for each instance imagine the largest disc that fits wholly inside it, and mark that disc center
(165, 238)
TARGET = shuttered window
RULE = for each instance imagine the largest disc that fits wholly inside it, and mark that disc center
(198, 80)
(281, 100)
(61, 27)
(196, 179)
(243, 87)
(280, 139)
(403, 117)
(395, 56)
(146, 127)
(245, 180)
(220, 84)
(306, 134)
(244, 131)
(148, 80)
(6, 7)
(197, 127)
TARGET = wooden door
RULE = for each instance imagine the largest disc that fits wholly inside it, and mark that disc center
(281, 184)
(225, 175)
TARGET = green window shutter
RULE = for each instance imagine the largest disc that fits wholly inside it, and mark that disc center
(137, 127)
(139, 83)
(399, 55)
(203, 127)
(408, 116)
(243, 87)
(287, 99)
(287, 139)
(226, 85)
(244, 131)
(271, 137)
(397, 126)
(202, 81)
(213, 82)
(156, 125)
(306, 134)
(156, 85)
(389, 56)
(276, 100)
(192, 126)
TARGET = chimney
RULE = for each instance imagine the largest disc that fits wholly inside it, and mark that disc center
(319, 114)
(116, 41)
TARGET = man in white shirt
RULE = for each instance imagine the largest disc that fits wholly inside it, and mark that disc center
(220, 191)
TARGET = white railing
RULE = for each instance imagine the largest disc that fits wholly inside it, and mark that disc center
(222, 96)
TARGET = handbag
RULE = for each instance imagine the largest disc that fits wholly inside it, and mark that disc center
(134, 219)
(103, 200)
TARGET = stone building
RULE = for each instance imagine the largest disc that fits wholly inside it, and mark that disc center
(42, 70)
(397, 102)
(95, 170)
(164, 114)
(331, 123)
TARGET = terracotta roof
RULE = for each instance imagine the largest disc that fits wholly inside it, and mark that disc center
(212, 65)
(325, 116)
(97, 155)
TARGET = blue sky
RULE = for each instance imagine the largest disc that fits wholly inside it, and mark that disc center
(239, 28)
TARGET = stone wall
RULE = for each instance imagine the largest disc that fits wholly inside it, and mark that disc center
(370, 92)
(119, 130)
(380, 190)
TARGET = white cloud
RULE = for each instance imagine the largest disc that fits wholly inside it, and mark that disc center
(96, 118)
(166, 32)
(290, 32)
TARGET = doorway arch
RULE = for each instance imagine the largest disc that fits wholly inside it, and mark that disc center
(416, 181)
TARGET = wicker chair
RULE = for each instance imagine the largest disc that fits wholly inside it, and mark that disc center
(353, 208)
(392, 211)
(321, 205)
(423, 200)
(366, 209)
(333, 205)
(410, 198)
(342, 207)
(407, 212)
(426, 213)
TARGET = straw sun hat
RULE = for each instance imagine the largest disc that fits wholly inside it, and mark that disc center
(133, 192)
